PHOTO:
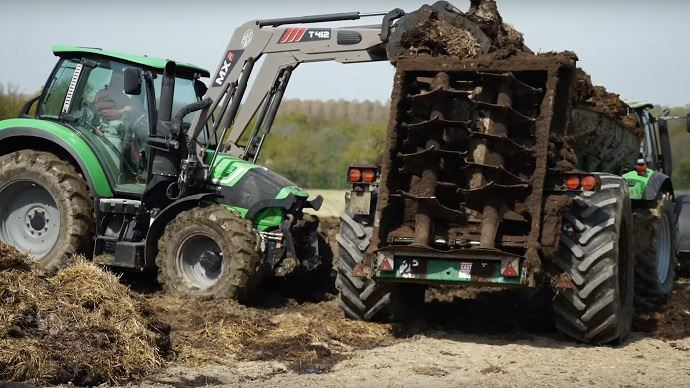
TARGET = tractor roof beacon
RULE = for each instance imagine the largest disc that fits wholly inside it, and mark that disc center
(122, 170)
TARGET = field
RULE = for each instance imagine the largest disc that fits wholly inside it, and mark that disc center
(333, 202)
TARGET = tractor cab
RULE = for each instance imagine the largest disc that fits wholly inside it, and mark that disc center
(87, 92)
(117, 124)
(652, 169)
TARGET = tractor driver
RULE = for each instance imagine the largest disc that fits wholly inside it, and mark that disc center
(122, 122)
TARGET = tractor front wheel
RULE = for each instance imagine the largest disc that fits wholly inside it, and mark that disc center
(209, 251)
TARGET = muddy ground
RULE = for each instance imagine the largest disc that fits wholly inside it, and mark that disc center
(288, 337)
(484, 337)
(488, 342)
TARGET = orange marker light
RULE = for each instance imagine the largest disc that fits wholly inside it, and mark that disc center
(589, 183)
(368, 175)
(572, 183)
(354, 175)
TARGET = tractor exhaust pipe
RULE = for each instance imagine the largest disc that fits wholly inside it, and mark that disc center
(167, 92)
(166, 154)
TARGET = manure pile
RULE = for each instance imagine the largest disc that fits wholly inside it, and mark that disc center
(609, 136)
(80, 326)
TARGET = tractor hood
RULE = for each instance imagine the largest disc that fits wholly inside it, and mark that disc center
(252, 189)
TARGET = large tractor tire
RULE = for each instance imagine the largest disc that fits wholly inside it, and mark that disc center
(597, 253)
(363, 298)
(211, 252)
(45, 208)
(655, 253)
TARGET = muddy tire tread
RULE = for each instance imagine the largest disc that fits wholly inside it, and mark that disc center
(71, 194)
(593, 310)
(238, 237)
(647, 285)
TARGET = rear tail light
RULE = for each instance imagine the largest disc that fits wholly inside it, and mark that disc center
(588, 183)
(365, 175)
(572, 182)
(584, 182)
(354, 175)
(368, 175)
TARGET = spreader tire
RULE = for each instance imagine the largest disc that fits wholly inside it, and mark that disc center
(364, 298)
(596, 253)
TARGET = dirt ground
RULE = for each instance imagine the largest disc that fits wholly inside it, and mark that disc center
(505, 344)
(482, 337)
(451, 360)
(461, 336)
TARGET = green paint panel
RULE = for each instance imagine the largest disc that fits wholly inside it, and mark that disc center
(637, 183)
(296, 190)
(269, 218)
(152, 62)
(75, 143)
(227, 170)
(266, 219)
(446, 271)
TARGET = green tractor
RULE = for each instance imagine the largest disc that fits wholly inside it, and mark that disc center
(102, 168)
(135, 162)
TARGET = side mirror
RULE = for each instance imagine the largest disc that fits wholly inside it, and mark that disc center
(687, 123)
(132, 81)
(200, 88)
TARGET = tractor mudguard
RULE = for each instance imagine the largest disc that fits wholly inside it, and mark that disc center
(49, 136)
(683, 216)
(648, 186)
(657, 183)
(164, 217)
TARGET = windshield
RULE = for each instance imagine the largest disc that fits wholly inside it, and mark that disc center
(184, 94)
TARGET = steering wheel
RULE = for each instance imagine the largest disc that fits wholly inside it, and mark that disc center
(139, 121)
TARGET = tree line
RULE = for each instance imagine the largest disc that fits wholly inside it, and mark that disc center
(313, 142)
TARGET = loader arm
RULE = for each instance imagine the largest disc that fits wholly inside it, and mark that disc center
(283, 48)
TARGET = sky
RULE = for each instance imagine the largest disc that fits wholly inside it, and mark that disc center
(634, 48)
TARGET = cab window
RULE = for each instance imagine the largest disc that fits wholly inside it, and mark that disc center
(54, 96)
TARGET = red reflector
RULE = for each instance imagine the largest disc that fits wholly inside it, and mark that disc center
(386, 265)
(589, 183)
(368, 175)
(354, 175)
(572, 183)
(509, 271)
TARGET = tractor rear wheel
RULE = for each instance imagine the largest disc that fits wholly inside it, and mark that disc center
(45, 208)
(655, 256)
(209, 251)
(596, 253)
